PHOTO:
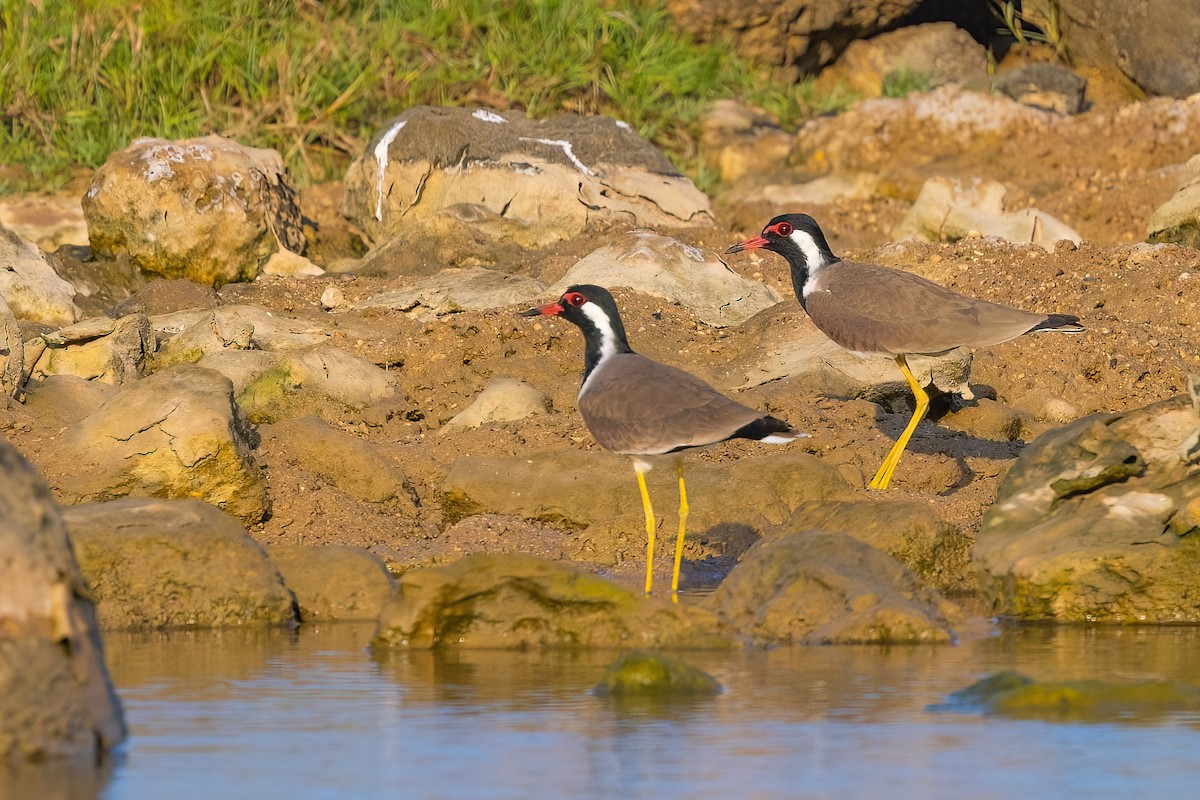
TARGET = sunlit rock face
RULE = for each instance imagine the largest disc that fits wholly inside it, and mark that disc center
(534, 182)
(1098, 521)
(56, 699)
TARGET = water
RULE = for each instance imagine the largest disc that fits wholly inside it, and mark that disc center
(308, 714)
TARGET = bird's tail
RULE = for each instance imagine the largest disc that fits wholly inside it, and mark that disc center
(770, 430)
(1061, 323)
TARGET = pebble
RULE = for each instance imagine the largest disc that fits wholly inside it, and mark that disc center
(332, 298)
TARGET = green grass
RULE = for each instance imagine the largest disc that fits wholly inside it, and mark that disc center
(904, 82)
(80, 79)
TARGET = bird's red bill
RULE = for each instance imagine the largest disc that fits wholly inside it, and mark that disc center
(749, 244)
(550, 310)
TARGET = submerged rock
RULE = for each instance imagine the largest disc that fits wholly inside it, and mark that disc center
(518, 601)
(175, 563)
(1012, 694)
(1094, 522)
(655, 675)
(56, 699)
(829, 588)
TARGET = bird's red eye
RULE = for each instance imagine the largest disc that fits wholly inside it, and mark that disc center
(574, 299)
(784, 229)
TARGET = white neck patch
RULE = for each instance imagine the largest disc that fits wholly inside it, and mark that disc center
(812, 255)
(608, 338)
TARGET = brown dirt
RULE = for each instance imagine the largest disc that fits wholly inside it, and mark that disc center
(1139, 303)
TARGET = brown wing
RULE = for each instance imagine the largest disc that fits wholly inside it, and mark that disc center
(874, 309)
(637, 406)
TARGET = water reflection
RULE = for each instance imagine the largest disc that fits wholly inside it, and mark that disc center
(312, 713)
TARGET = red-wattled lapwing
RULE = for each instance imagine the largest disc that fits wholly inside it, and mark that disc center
(867, 308)
(647, 410)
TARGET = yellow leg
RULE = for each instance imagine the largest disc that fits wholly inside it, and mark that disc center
(649, 509)
(884, 476)
(683, 515)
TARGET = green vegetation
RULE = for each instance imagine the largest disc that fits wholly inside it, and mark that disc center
(904, 82)
(82, 78)
(1036, 21)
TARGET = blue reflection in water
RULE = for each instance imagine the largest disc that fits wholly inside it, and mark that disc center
(272, 714)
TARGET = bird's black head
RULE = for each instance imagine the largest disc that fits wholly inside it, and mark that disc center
(593, 309)
(796, 237)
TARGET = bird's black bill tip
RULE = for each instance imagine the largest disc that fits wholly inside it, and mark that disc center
(551, 310)
(737, 248)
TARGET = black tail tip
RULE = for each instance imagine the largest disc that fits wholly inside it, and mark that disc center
(1063, 323)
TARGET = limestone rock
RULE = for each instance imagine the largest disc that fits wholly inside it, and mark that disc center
(47, 220)
(1051, 87)
(515, 601)
(56, 699)
(948, 210)
(596, 493)
(99, 349)
(159, 296)
(31, 287)
(665, 267)
(334, 582)
(550, 178)
(209, 209)
(575, 488)
(359, 468)
(1178, 219)
(268, 330)
(242, 367)
(67, 398)
(1150, 42)
(801, 36)
(454, 290)
(177, 433)
(738, 141)
(502, 400)
(12, 354)
(100, 284)
(204, 337)
(937, 552)
(175, 563)
(1082, 525)
(305, 380)
(782, 342)
(939, 51)
(988, 419)
(828, 588)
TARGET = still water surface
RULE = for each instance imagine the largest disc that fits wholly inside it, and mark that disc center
(309, 714)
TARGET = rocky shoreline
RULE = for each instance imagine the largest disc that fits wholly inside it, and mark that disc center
(366, 430)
